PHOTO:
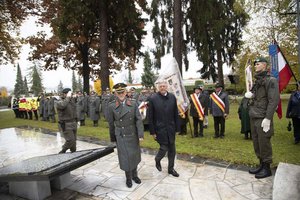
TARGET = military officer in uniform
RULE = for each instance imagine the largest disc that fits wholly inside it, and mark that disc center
(66, 109)
(126, 129)
(264, 98)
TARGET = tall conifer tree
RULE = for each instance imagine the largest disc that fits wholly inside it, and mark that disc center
(148, 75)
(36, 81)
(19, 85)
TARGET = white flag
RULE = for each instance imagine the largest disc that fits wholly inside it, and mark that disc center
(248, 76)
(175, 85)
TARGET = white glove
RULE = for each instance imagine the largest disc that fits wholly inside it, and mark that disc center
(78, 125)
(249, 95)
(265, 124)
(69, 94)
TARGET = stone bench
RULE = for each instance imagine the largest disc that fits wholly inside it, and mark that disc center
(34, 177)
(287, 182)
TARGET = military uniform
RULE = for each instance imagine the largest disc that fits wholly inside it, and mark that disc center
(94, 108)
(264, 98)
(263, 105)
(66, 110)
(125, 128)
(51, 109)
(81, 108)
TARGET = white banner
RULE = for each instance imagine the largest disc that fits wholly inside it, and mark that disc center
(248, 76)
(173, 77)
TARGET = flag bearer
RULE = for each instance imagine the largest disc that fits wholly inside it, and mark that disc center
(264, 98)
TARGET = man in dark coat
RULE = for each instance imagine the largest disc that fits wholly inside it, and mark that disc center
(126, 128)
(264, 98)
(204, 101)
(163, 124)
(293, 111)
(66, 110)
(219, 107)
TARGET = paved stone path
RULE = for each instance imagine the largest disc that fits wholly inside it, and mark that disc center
(103, 179)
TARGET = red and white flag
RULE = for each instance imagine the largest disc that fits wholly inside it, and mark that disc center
(280, 70)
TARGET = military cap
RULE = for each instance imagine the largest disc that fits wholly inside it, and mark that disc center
(260, 59)
(66, 90)
(198, 87)
(120, 87)
(218, 85)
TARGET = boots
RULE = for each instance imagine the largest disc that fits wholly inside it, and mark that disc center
(128, 179)
(265, 172)
(135, 177)
(257, 169)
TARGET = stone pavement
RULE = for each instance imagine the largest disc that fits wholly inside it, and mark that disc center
(103, 179)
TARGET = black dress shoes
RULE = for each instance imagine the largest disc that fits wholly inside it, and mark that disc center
(129, 183)
(173, 172)
(158, 165)
(137, 180)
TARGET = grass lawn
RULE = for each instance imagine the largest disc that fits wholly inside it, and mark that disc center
(233, 148)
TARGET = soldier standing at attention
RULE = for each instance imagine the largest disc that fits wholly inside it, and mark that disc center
(94, 108)
(66, 109)
(126, 129)
(264, 98)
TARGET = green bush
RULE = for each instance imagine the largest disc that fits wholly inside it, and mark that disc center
(5, 101)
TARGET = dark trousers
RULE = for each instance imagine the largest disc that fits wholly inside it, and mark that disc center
(163, 149)
(29, 114)
(35, 114)
(219, 122)
(52, 118)
(196, 122)
(296, 126)
(261, 141)
(131, 174)
(70, 140)
(17, 113)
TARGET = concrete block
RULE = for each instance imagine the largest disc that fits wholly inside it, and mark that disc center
(34, 190)
(62, 181)
(287, 182)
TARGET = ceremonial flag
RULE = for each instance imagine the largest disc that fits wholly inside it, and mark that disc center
(280, 69)
(172, 75)
(248, 76)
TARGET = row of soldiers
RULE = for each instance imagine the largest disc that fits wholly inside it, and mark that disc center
(43, 106)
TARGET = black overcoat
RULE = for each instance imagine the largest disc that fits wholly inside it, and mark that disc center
(163, 117)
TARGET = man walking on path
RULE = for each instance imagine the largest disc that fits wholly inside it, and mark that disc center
(127, 130)
(163, 124)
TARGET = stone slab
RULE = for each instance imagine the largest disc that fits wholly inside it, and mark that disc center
(50, 166)
(34, 190)
(287, 182)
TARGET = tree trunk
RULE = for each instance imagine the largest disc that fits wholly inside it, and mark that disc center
(177, 34)
(85, 68)
(220, 67)
(104, 71)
